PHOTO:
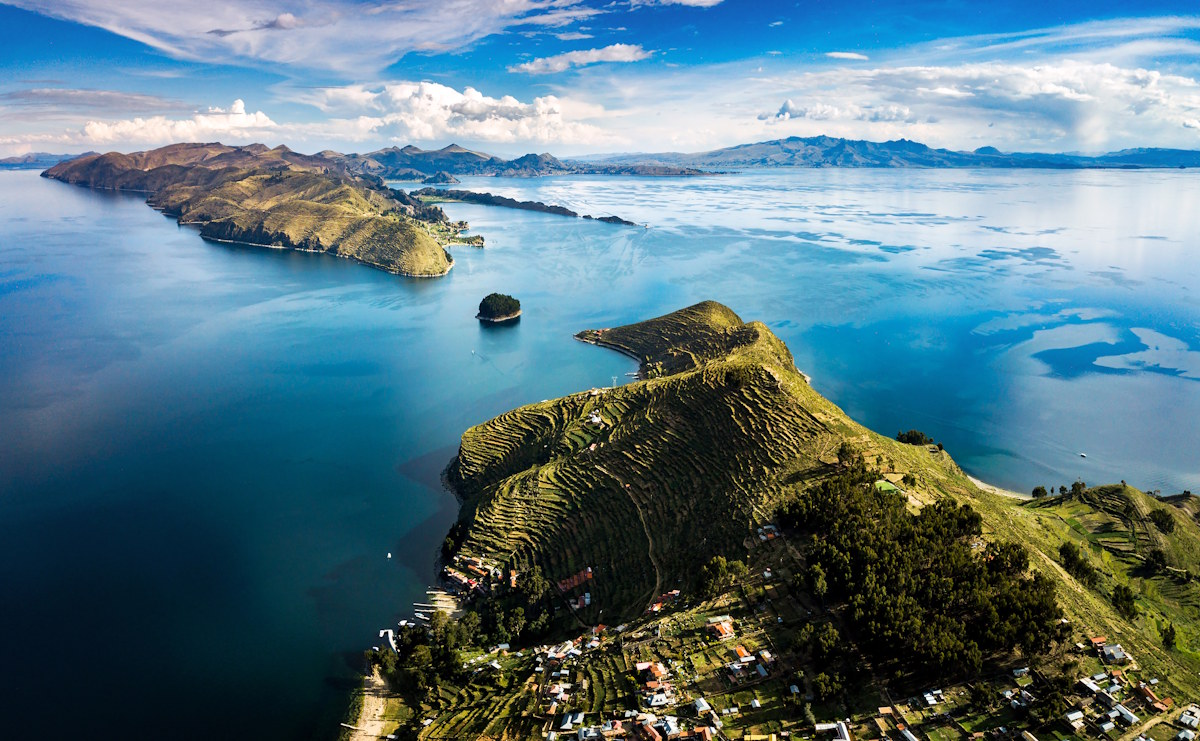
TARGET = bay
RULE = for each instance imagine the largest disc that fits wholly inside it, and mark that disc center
(209, 450)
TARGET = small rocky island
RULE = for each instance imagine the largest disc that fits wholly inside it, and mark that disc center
(497, 308)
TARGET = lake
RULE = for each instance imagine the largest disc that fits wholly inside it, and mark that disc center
(209, 450)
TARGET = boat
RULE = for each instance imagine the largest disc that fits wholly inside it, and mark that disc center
(1083, 455)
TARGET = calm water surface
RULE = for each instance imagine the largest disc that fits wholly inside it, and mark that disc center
(209, 450)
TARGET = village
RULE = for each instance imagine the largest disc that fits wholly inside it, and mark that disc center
(730, 668)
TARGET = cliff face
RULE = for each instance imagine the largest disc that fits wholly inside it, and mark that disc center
(275, 198)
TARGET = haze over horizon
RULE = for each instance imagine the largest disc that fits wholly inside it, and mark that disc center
(577, 77)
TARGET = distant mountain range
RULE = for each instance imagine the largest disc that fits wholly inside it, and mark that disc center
(826, 151)
(441, 165)
(414, 163)
(37, 160)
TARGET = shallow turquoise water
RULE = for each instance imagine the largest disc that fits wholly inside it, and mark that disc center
(208, 450)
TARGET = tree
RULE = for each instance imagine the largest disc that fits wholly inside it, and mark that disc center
(1078, 488)
(1168, 637)
(1163, 520)
(498, 305)
(826, 686)
(1123, 599)
(848, 455)
(914, 437)
(719, 573)
(1039, 492)
(1156, 560)
(816, 581)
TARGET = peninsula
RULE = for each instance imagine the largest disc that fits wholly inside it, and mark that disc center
(718, 551)
(277, 198)
(439, 195)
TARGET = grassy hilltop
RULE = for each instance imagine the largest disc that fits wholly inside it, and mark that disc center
(644, 482)
(275, 198)
(868, 570)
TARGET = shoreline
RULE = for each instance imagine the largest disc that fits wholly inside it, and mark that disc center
(285, 248)
(997, 490)
(499, 319)
(370, 723)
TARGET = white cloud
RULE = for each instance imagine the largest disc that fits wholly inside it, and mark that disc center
(404, 112)
(819, 111)
(688, 3)
(1063, 105)
(584, 57)
(233, 124)
(572, 36)
(847, 55)
(774, 24)
(343, 35)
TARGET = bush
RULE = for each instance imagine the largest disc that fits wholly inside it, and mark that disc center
(496, 305)
(1125, 602)
(1163, 520)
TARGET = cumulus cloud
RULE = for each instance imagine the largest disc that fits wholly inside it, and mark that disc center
(583, 58)
(234, 123)
(847, 55)
(428, 111)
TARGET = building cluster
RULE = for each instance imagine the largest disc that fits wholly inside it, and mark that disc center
(470, 575)
(748, 665)
(655, 686)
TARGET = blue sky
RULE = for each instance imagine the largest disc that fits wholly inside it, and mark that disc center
(580, 76)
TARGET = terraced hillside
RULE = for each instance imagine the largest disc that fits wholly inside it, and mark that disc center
(645, 482)
(275, 198)
(1114, 528)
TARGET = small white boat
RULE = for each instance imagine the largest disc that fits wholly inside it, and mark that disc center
(389, 554)
(1083, 455)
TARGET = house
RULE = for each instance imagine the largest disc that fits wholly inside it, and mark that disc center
(1126, 716)
(701, 705)
(1190, 718)
(720, 626)
(908, 735)
(657, 700)
(1028, 736)
(1185, 735)
(1113, 654)
(1107, 726)
(1099, 641)
(1090, 685)
(1021, 672)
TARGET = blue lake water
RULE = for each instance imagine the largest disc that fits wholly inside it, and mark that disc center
(208, 450)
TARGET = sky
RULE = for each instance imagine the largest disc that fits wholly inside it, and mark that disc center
(576, 77)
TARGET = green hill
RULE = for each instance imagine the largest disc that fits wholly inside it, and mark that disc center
(275, 198)
(889, 573)
(643, 482)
